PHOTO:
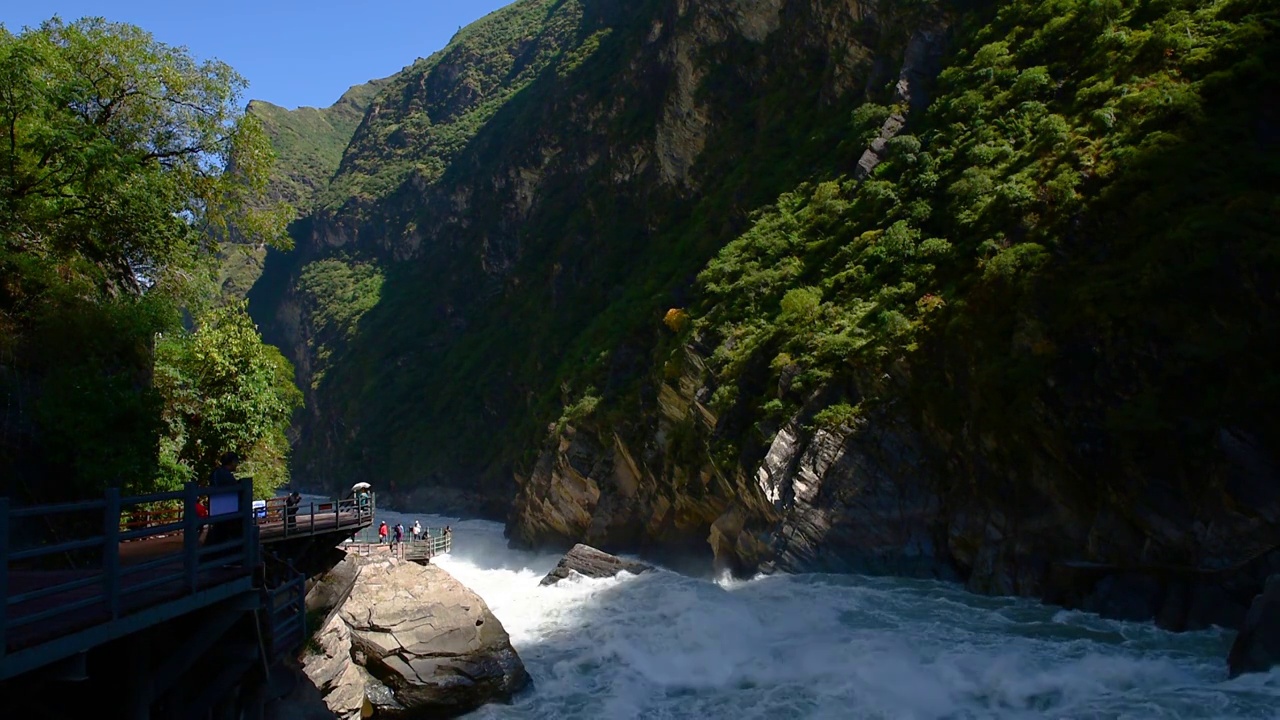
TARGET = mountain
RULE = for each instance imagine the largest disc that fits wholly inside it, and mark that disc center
(309, 143)
(978, 290)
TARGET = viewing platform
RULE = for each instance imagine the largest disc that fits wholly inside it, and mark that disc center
(78, 576)
(434, 542)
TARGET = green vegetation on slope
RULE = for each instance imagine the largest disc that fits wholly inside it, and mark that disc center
(339, 291)
(457, 374)
(309, 142)
(1072, 247)
(1085, 221)
(112, 196)
(429, 111)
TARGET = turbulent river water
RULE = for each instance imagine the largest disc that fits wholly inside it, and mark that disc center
(662, 645)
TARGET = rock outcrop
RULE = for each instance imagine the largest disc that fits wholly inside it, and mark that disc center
(854, 499)
(663, 498)
(1257, 647)
(590, 562)
(411, 641)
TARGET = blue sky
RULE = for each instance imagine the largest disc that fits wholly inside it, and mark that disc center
(293, 53)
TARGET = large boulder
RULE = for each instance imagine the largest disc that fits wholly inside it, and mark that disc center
(328, 591)
(590, 562)
(1257, 646)
(410, 641)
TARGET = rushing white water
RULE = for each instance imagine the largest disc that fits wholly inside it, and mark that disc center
(661, 645)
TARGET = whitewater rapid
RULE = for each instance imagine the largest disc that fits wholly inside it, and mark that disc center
(662, 645)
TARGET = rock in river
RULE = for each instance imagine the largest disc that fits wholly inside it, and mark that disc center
(588, 561)
(1257, 647)
(411, 641)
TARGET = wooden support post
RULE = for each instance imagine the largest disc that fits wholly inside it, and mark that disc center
(4, 569)
(111, 552)
(190, 537)
(248, 522)
(313, 518)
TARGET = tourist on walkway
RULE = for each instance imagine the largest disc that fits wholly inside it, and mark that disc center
(291, 504)
(382, 533)
(224, 503)
(399, 533)
(417, 530)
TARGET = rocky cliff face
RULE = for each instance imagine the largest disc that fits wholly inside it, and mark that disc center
(528, 199)
(953, 454)
(852, 286)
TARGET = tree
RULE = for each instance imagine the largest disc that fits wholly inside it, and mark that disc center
(115, 190)
(112, 155)
(224, 390)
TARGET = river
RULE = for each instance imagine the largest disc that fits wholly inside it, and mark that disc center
(663, 645)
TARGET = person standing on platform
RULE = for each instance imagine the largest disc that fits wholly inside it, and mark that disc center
(291, 504)
(224, 500)
(382, 533)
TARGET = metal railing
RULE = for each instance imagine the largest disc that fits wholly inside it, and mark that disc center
(428, 546)
(278, 519)
(107, 583)
(286, 615)
(433, 542)
(306, 518)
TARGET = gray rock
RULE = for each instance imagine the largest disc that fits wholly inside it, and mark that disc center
(1257, 647)
(590, 562)
(412, 641)
(332, 588)
(857, 499)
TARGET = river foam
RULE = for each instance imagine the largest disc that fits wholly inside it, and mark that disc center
(662, 645)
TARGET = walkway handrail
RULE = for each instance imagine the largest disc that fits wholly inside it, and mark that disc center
(286, 615)
(300, 520)
(194, 558)
(433, 542)
(352, 512)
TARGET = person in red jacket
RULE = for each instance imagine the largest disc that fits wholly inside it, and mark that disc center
(382, 533)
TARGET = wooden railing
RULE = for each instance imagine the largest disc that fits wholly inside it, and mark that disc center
(101, 581)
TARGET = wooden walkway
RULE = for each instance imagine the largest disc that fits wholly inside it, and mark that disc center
(43, 619)
(145, 567)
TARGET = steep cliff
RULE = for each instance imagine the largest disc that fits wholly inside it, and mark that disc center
(532, 198)
(982, 290)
